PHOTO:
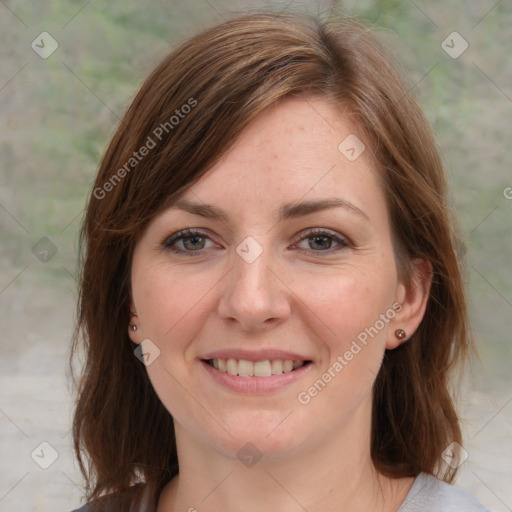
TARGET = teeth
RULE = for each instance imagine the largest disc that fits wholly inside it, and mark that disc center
(245, 368)
(265, 368)
(262, 368)
(276, 366)
(232, 365)
(287, 365)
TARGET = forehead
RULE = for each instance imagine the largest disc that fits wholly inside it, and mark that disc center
(299, 148)
(295, 152)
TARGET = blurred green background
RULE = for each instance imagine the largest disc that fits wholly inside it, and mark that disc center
(58, 114)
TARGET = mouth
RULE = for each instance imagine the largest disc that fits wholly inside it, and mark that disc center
(263, 368)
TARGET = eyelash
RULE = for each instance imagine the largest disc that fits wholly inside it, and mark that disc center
(169, 242)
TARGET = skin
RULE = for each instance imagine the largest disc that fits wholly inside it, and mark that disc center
(298, 295)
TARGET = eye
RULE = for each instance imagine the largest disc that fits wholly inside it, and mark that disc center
(191, 240)
(321, 241)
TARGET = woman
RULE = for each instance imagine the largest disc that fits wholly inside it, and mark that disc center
(271, 301)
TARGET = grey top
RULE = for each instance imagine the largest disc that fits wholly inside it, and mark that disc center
(430, 494)
(427, 494)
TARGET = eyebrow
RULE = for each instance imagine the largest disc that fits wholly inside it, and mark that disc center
(287, 211)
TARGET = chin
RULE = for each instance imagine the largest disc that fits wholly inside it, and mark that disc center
(270, 434)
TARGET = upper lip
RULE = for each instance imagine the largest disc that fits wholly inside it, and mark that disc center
(254, 355)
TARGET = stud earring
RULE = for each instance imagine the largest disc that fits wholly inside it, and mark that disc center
(134, 327)
(400, 334)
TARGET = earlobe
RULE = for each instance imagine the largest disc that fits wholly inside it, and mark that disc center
(133, 326)
(413, 299)
(400, 334)
(396, 338)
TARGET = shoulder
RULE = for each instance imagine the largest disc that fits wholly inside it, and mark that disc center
(124, 501)
(429, 493)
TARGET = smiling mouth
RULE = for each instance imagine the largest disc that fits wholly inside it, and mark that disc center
(264, 368)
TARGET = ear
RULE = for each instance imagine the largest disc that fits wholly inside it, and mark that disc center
(413, 298)
(134, 325)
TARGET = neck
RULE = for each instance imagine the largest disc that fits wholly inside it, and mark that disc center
(334, 476)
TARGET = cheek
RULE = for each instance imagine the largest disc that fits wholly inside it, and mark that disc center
(349, 301)
(168, 301)
(352, 310)
(351, 306)
(173, 307)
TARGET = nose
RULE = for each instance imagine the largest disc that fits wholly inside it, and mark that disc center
(254, 295)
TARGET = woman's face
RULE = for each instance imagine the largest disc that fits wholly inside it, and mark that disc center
(277, 278)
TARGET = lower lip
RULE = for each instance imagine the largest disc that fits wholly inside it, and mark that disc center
(254, 385)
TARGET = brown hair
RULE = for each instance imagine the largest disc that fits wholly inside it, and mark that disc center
(227, 75)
